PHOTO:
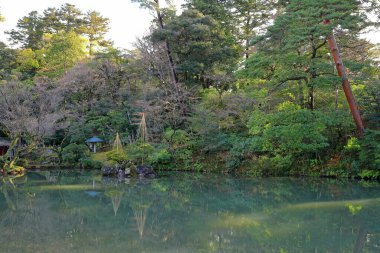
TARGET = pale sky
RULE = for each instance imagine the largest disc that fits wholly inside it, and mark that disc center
(127, 20)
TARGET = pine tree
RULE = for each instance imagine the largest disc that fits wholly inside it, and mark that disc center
(294, 51)
(251, 16)
(29, 32)
(200, 44)
(71, 18)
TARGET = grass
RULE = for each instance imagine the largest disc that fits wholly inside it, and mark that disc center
(101, 157)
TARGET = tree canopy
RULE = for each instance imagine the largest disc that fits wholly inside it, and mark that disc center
(235, 85)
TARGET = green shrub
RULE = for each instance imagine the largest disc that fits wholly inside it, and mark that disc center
(139, 152)
(369, 154)
(116, 156)
(88, 163)
(74, 153)
(161, 156)
(362, 155)
(180, 146)
(369, 174)
(289, 136)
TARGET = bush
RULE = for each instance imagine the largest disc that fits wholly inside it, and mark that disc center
(179, 145)
(241, 147)
(369, 154)
(161, 156)
(116, 156)
(290, 135)
(363, 154)
(88, 163)
(369, 174)
(139, 152)
(75, 153)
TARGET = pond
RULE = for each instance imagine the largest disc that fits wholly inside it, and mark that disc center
(67, 211)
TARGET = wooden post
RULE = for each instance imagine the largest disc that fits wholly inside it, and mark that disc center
(346, 83)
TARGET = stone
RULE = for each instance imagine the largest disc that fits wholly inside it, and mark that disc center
(145, 171)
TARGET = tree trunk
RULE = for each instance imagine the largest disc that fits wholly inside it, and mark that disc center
(346, 84)
(247, 40)
(311, 99)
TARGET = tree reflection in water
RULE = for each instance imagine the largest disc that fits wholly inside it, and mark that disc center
(140, 214)
(188, 213)
(116, 196)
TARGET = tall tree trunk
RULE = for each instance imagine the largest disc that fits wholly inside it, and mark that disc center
(247, 40)
(346, 83)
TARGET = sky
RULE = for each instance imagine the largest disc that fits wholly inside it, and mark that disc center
(127, 20)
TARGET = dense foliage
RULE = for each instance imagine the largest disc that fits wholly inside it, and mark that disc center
(238, 85)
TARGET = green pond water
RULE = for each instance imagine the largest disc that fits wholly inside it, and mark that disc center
(178, 212)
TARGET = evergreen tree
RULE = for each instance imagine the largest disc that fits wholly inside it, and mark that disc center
(63, 52)
(251, 18)
(200, 45)
(71, 18)
(7, 61)
(154, 5)
(96, 26)
(51, 20)
(294, 49)
(220, 10)
(29, 32)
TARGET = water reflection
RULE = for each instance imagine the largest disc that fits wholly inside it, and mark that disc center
(82, 212)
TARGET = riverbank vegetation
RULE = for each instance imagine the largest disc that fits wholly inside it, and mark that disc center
(228, 86)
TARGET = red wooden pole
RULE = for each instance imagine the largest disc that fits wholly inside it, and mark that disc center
(346, 83)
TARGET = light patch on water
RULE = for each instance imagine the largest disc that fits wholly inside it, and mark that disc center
(239, 221)
(335, 204)
(73, 187)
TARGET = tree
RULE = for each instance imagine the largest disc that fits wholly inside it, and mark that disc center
(71, 18)
(7, 61)
(220, 10)
(154, 5)
(33, 113)
(293, 65)
(200, 44)
(51, 21)
(63, 52)
(160, 100)
(297, 43)
(251, 17)
(96, 26)
(29, 32)
(27, 63)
